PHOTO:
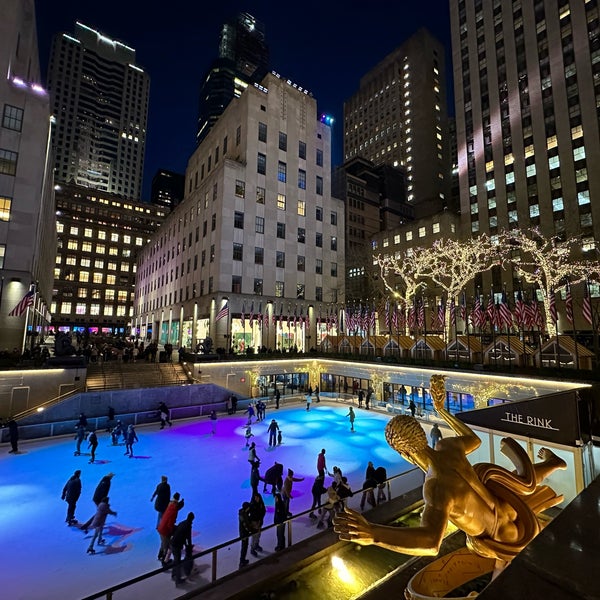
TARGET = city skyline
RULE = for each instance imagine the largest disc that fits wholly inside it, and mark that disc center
(342, 48)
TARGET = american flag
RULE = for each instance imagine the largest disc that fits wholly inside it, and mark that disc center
(552, 307)
(504, 312)
(243, 315)
(538, 319)
(528, 314)
(421, 315)
(224, 312)
(478, 315)
(442, 314)
(259, 319)
(372, 318)
(307, 319)
(434, 317)
(251, 319)
(569, 305)
(412, 317)
(452, 313)
(491, 311)
(520, 310)
(587, 304)
(463, 308)
(395, 316)
(387, 315)
(23, 305)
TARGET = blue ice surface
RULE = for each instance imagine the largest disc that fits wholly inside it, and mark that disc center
(43, 558)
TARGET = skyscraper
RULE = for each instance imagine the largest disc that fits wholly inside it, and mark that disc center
(167, 188)
(99, 97)
(27, 222)
(243, 59)
(527, 83)
(399, 117)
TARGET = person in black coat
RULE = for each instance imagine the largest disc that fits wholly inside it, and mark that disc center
(71, 493)
(245, 530)
(279, 519)
(13, 436)
(100, 493)
(318, 489)
(93, 444)
(182, 536)
(162, 493)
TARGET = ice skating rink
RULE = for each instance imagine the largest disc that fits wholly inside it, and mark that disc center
(43, 558)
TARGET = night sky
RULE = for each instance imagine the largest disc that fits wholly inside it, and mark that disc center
(317, 45)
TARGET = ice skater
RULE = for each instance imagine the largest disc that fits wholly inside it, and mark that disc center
(273, 429)
(250, 411)
(116, 433)
(213, 422)
(351, 416)
(13, 435)
(162, 493)
(286, 490)
(164, 414)
(100, 492)
(79, 436)
(70, 494)
(308, 401)
(92, 445)
(252, 456)
(181, 537)
(167, 525)
(317, 490)
(98, 522)
(248, 434)
(435, 435)
(274, 478)
(130, 439)
(321, 463)
(317, 397)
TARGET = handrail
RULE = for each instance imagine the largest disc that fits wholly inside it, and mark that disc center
(45, 404)
(108, 592)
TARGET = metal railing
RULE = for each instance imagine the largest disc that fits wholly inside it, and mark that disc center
(223, 561)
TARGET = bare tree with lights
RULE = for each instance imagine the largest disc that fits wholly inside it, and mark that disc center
(548, 264)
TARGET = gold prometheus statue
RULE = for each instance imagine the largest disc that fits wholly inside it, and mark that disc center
(496, 508)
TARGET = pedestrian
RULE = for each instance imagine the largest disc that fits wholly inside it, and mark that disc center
(213, 421)
(229, 406)
(181, 537)
(70, 494)
(381, 478)
(369, 485)
(164, 414)
(80, 435)
(245, 530)
(92, 445)
(110, 419)
(317, 397)
(255, 478)
(100, 492)
(351, 416)
(286, 490)
(279, 437)
(279, 519)
(273, 429)
(167, 525)
(98, 522)
(368, 398)
(317, 490)
(274, 478)
(412, 407)
(256, 515)
(181, 353)
(248, 434)
(435, 435)
(402, 394)
(130, 439)
(308, 401)
(321, 463)
(13, 436)
(277, 398)
(252, 456)
(162, 493)
(328, 509)
(116, 433)
(361, 396)
(234, 403)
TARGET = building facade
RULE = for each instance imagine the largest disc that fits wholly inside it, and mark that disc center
(99, 98)
(27, 222)
(527, 88)
(167, 189)
(99, 238)
(398, 117)
(243, 59)
(258, 232)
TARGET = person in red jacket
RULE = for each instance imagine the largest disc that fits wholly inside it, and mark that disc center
(167, 525)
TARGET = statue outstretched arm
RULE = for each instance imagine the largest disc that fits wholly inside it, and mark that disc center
(424, 540)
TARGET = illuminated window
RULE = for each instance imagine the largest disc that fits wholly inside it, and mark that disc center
(127, 239)
(84, 276)
(108, 311)
(101, 235)
(122, 296)
(583, 197)
(71, 260)
(139, 241)
(281, 201)
(125, 267)
(240, 188)
(98, 264)
(112, 266)
(121, 310)
(87, 232)
(60, 227)
(279, 289)
(65, 308)
(8, 162)
(422, 232)
(94, 309)
(86, 263)
(100, 248)
(73, 245)
(113, 251)
(109, 295)
(301, 208)
(80, 308)
(5, 204)
(98, 277)
(86, 246)
(436, 228)
(111, 279)
(82, 292)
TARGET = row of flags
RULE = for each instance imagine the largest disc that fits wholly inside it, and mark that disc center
(496, 313)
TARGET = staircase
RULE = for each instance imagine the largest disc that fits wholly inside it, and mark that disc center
(116, 375)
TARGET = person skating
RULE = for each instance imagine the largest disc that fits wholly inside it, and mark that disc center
(213, 421)
(274, 478)
(117, 432)
(252, 456)
(256, 515)
(130, 439)
(317, 490)
(70, 494)
(308, 401)
(248, 434)
(361, 396)
(369, 485)
(92, 445)
(167, 525)
(245, 530)
(79, 436)
(255, 478)
(13, 436)
(317, 397)
(164, 414)
(273, 429)
(381, 477)
(412, 407)
(250, 411)
(435, 435)
(286, 490)
(321, 463)
(351, 416)
(82, 420)
(162, 493)
(181, 537)
(100, 492)
(279, 519)
(98, 522)
(329, 508)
